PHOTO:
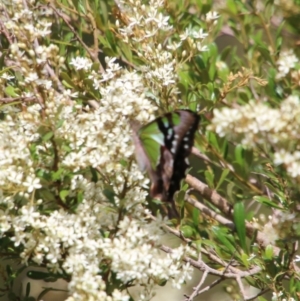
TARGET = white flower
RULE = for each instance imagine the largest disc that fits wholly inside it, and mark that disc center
(32, 183)
(174, 46)
(276, 296)
(200, 34)
(212, 15)
(29, 215)
(201, 47)
(297, 258)
(68, 92)
(287, 61)
(6, 76)
(31, 77)
(81, 63)
(79, 242)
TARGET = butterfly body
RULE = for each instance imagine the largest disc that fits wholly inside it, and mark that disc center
(162, 149)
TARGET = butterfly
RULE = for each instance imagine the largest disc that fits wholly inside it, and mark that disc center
(162, 148)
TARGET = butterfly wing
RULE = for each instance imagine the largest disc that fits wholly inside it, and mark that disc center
(179, 129)
(162, 148)
(153, 140)
(149, 142)
(185, 131)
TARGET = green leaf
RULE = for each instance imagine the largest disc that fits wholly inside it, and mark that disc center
(274, 189)
(104, 12)
(294, 285)
(161, 282)
(56, 175)
(244, 97)
(198, 245)
(212, 138)
(211, 88)
(262, 299)
(126, 51)
(103, 41)
(196, 216)
(200, 63)
(222, 236)
(209, 177)
(67, 81)
(6, 69)
(231, 6)
(224, 148)
(239, 155)
(37, 275)
(205, 6)
(59, 123)
(46, 195)
(98, 21)
(283, 259)
(79, 197)
(280, 28)
(11, 91)
(230, 190)
(224, 174)
(111, 40)
(208, 243)
(269, 252)
(3, 106)
(239, 221)
(75, 3)
(265, 53)
(244, 257)
(212, 72)
(110, 195)
(63, 194)
(266, 201)
(187, 231)
(94, 175)
(47, 136)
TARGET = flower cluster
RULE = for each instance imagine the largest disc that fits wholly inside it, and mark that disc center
(148, 31)
(286, 62)
(278, 296)
(280, 226)
(257, 124)
(126, 248)
(48, 149)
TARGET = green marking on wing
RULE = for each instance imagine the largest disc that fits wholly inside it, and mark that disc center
(176, 119)
(152, 139)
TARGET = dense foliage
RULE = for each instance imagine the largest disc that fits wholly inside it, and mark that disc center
(75, 73)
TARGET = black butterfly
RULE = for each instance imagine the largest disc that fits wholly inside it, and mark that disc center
(162, 148)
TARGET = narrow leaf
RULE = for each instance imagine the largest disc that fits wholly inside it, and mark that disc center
(68, 82)
(37, 275)
(266, 201)
(224, 174)
(48, 136)
(196, 214)
(239, 221)
(209, 177)
(223, 239)
(239, 155)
